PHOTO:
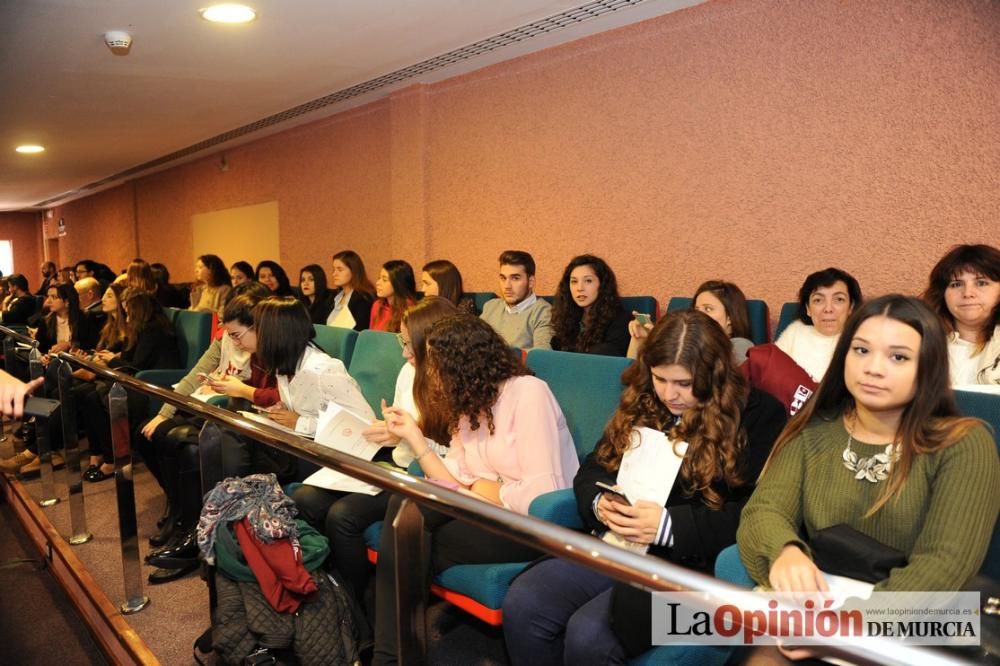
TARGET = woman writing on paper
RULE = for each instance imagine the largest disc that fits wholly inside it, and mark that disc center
(683, 388)
(344, 516)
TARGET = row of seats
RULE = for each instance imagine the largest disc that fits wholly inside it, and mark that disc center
(587, 388)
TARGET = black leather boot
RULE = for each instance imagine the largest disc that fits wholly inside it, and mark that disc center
(180, 553)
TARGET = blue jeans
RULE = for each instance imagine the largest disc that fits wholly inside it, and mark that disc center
(558, 612)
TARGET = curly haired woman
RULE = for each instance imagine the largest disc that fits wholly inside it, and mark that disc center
(509, 444)
(684, 384)
(588, 316)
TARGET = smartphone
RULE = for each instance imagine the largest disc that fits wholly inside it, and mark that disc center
(203, 377)
(643, 318)
(615, 493)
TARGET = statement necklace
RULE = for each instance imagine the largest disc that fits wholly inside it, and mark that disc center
(873, 469)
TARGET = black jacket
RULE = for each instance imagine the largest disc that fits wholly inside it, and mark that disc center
(320, 309)
(19, 311)
(155, 349)
(615, 340)
(699, 532)
(360, 306)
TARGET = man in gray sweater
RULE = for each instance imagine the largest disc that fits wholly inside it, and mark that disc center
(519, 316)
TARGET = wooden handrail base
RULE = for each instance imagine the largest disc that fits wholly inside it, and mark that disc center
(119, 641)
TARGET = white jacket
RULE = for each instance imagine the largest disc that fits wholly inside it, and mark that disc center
(988, 360)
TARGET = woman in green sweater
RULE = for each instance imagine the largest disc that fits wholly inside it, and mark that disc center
(880, 447)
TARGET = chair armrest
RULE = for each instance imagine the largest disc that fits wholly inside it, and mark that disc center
(559, 507)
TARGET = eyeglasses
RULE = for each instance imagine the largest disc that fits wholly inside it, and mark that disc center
(238, 336)
(403, 342)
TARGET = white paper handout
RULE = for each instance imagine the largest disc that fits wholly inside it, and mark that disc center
(649, 468)
(341, 430)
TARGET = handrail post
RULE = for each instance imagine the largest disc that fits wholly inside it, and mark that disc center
(42, 429)
(128, 535)
(210, 462)
(411, 583)
(71, 454)
(8, 366)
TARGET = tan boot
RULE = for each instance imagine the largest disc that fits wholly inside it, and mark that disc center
(13, 465)
(35, 465)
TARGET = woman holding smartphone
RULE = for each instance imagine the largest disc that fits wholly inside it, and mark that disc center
(685, 385)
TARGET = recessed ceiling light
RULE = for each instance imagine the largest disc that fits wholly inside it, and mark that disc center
(30, 148)
(228, 13)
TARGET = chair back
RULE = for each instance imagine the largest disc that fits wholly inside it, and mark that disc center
(375, 364)
(985, 406)
(645, 304)
(789, 313)
(337, 342)
(587, 387)
(194, 334)
(481, 298)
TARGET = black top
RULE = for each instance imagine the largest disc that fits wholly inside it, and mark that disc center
(170, 296)
(615, 340)
(155, 349)
(19, 311)
(699, 532)
(360, 306)
(320, 308)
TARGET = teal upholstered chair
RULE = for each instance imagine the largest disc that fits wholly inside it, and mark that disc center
(760, 323)
(985, 406)
(194, 334)
(375, 362)
(337, 342)
(789, 313)
(645, 304)
(481, 298)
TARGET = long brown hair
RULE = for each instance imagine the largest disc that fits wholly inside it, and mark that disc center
(113, 331)
(712, 428)
(359, 278)
(734, 302)
(469, 360)
(575, 329)
(448, 278)
(418, 319)
(930, 422)
(144, 312)
(404, 290)
(139, 277)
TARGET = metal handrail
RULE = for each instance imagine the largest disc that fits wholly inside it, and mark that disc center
(650, 572)
(18, 337)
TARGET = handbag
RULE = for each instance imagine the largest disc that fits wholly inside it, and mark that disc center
(844, 551)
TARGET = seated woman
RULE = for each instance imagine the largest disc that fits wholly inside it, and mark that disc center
(344, 517)
(352, 303)
(442, 278)
(139, 277)
(169, 442)
(826, 299)
(588, 316)
(224, 357)
(317, 298)
(65, 327)
(241, 272)
(881, 448)
(964, 290)
(396, 290)
(272, 275)
(212, 284)
(685, 385)
(509, 444)
(150, 343)
(722, 301)
(167, 294)
(307, 377)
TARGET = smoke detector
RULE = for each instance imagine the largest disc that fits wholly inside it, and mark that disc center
(118, 41)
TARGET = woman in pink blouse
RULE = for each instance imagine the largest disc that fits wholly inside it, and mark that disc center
(509, 445)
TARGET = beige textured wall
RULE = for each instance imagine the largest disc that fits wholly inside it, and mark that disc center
(751, 140)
